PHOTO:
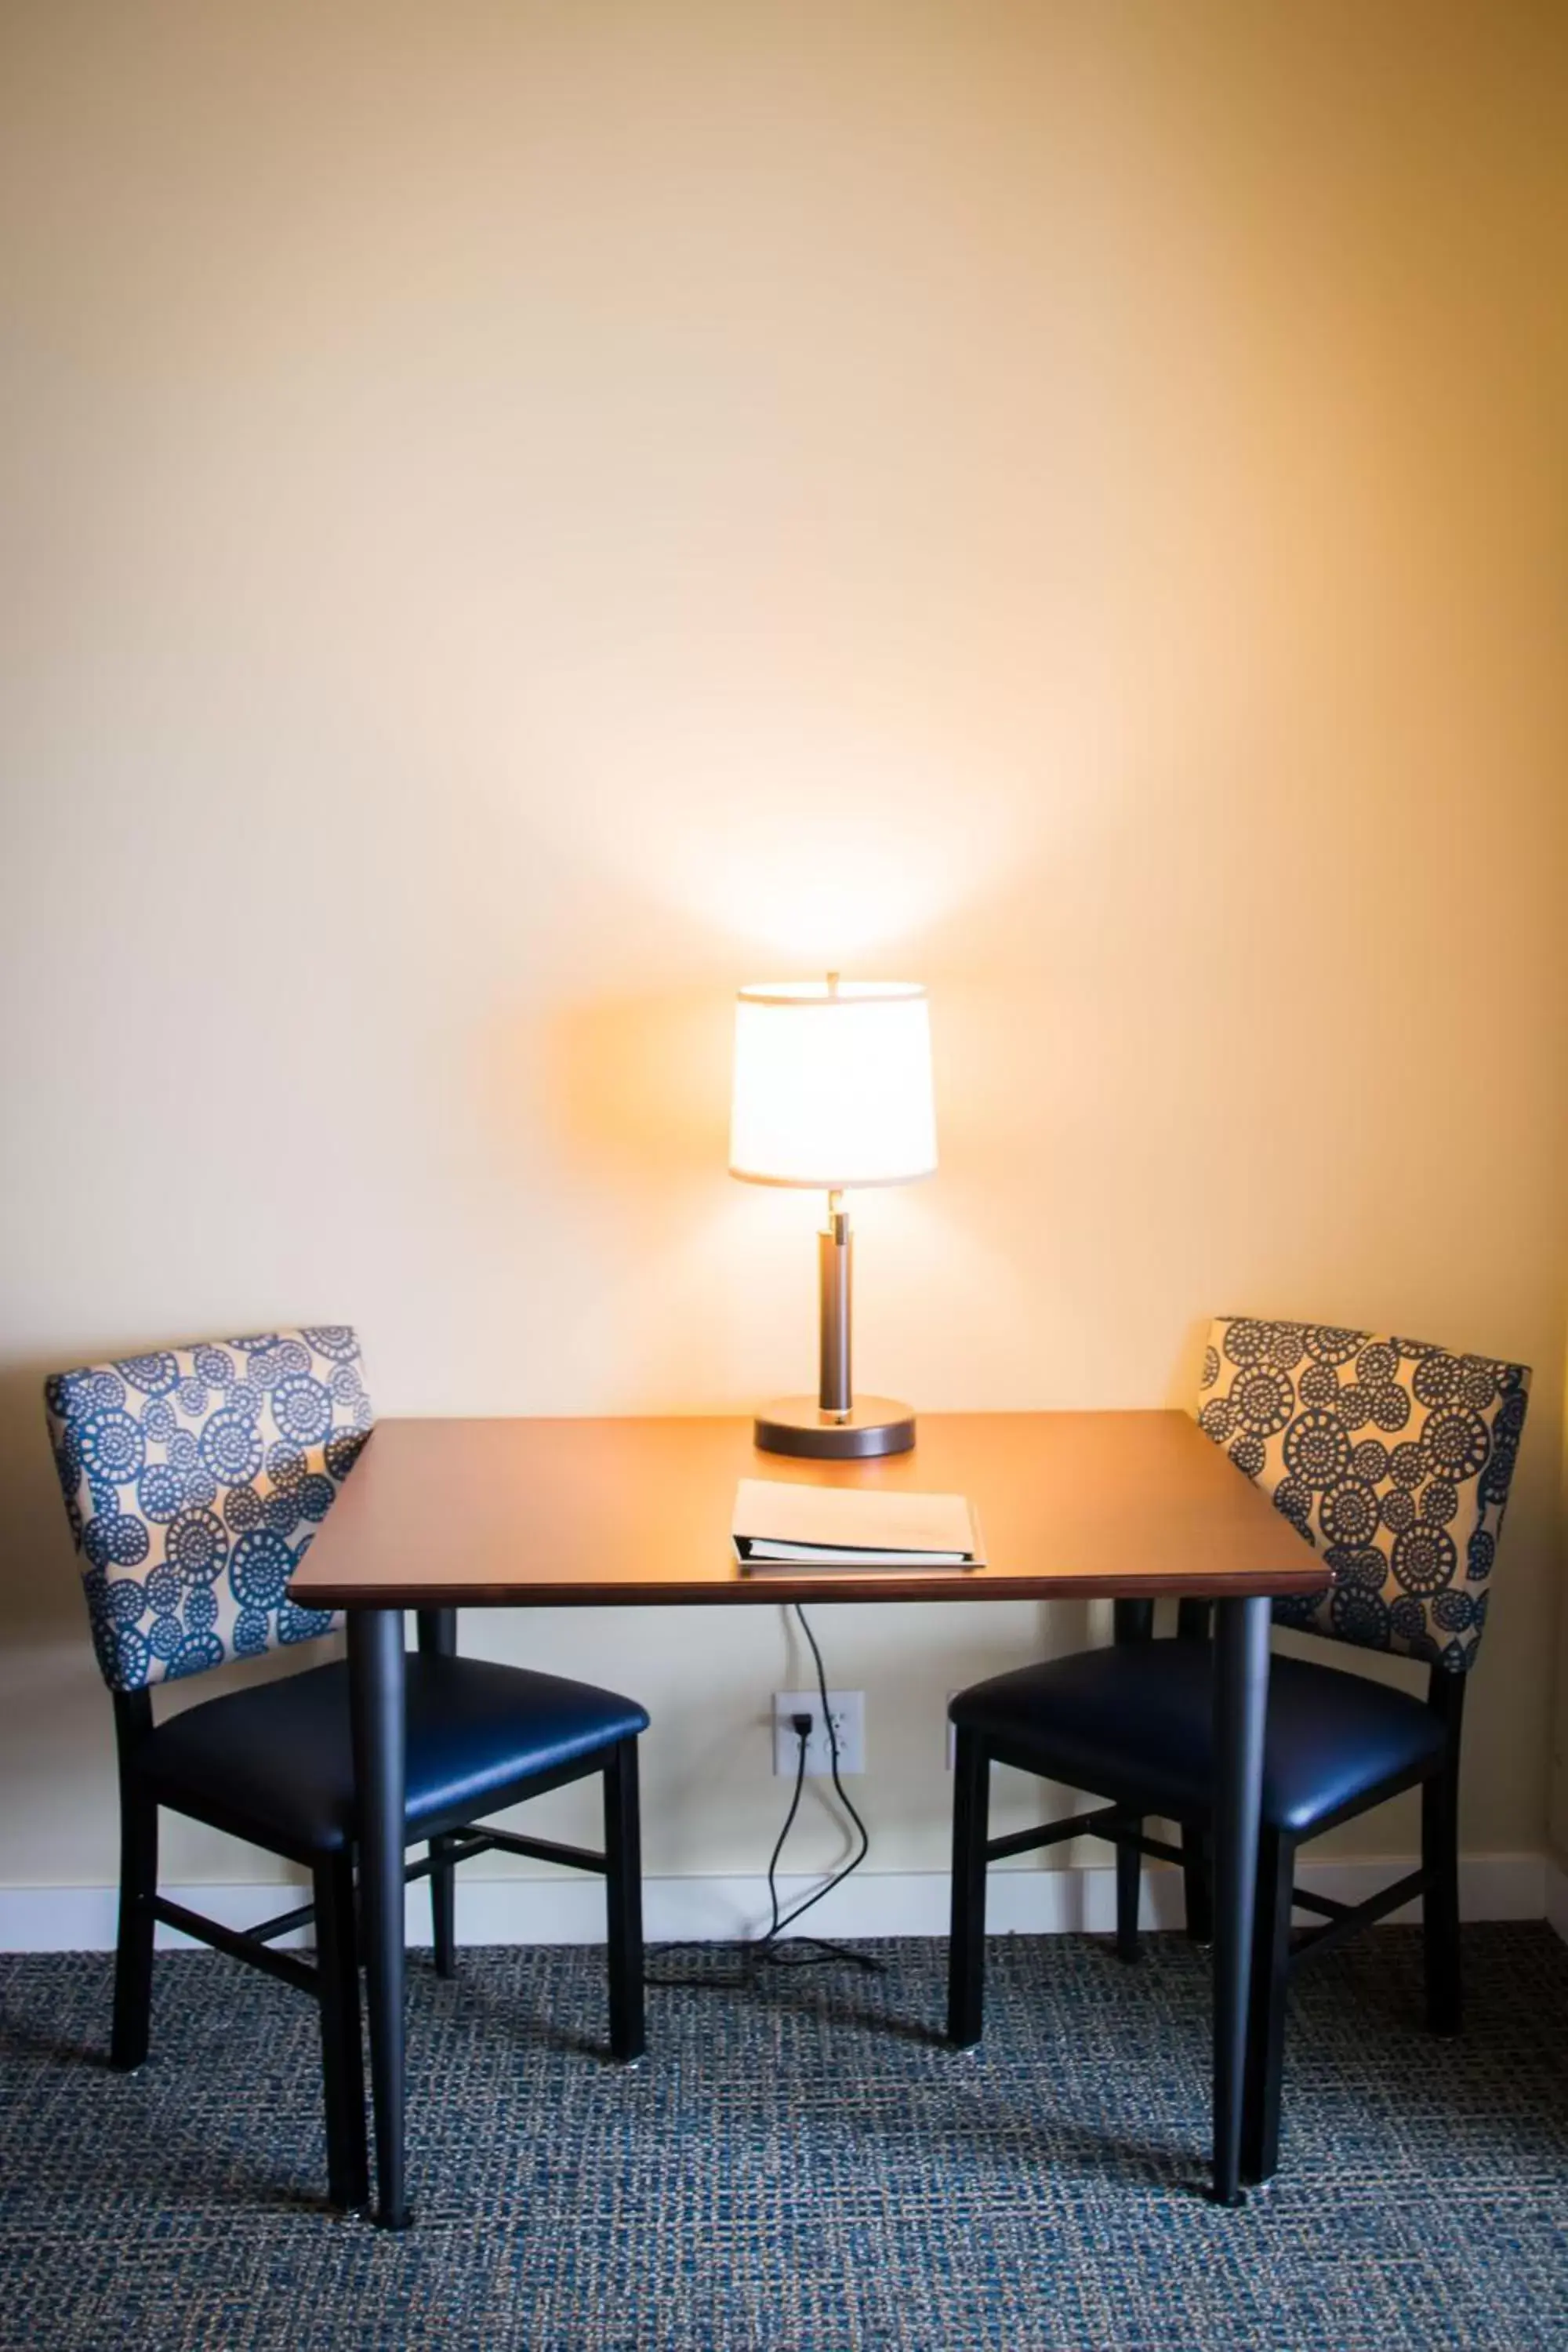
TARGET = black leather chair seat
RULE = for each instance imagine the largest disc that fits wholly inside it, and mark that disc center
(278, 1759)
(1134, 1722)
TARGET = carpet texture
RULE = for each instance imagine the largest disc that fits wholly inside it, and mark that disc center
(800, 2168)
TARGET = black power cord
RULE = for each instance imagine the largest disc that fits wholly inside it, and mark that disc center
(770, 1949)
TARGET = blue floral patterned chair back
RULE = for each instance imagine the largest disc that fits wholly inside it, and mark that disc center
(194, 1479)
(1390, 1456)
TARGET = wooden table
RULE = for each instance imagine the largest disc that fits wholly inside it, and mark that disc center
(501, 1514)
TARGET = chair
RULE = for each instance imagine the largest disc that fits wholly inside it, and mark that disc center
(1395, 1459)
(194, 1479)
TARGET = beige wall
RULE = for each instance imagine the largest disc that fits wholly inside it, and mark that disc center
(518, 517)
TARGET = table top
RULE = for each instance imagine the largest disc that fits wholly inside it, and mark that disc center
(589, 1512)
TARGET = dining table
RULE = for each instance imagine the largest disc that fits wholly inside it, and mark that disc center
(613, 1512)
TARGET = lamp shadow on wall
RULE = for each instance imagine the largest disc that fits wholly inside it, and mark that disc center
(605, 1124)
(621, 1090)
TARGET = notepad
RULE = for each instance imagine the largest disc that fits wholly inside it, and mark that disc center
(778, 1524)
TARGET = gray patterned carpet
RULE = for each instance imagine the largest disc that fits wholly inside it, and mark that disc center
(804, 2166)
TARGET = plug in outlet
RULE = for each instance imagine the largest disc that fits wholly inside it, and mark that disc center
(848, 1712)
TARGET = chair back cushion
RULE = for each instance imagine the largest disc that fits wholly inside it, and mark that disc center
(1393, 1458)
(194, 1479)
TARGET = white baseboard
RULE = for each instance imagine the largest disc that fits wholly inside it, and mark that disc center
(702, 1910)
(1557, 1897)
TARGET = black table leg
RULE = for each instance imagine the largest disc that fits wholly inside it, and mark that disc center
(1240, 1708)
(376, 1676)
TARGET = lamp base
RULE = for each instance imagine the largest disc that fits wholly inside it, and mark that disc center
(873, 1426)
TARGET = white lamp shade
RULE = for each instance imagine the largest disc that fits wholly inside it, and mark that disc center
(832, 1084)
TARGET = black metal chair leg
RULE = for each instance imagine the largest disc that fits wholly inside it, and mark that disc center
(134, 1949)
(377, 1672)
(437, 1636)
(1193, 1624)
(1440, 1901)
(1198, 1885)
(966, 1942)
(623, 1890)
(1241, 1716)
(1128, 1887)
(443, 1907)
(1266, 2007)
(342, 2065)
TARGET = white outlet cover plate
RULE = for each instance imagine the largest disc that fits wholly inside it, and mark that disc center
(848, 1708)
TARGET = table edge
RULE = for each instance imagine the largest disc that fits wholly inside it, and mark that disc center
(1225, 1585)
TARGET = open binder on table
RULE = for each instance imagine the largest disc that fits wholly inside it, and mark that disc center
(781, 1525)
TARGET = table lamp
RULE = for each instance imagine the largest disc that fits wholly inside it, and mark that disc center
(832, 1089)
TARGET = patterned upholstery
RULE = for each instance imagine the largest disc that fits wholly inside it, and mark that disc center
(193, 1479)
(1393, 1458)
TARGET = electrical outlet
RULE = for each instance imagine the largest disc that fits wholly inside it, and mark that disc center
(848, 1709)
